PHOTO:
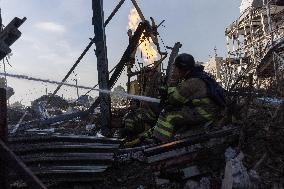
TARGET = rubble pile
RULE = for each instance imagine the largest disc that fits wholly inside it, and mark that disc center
(254, 161)
(56, 101)
(79, 144)
(129, 175)
(251, 159)
(15, 114)
(261, 142)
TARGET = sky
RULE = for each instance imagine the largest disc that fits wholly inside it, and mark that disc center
(57, 31)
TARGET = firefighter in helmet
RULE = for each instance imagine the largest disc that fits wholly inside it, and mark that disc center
(196, 100)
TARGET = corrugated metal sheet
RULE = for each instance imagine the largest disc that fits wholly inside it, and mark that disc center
(61, 159)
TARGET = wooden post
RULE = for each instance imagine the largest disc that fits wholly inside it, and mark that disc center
(171, 73)
(102, 64)
(3, 136)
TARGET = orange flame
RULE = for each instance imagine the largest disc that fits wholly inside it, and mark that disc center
(146, 44)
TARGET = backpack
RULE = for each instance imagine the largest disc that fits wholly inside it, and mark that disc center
(214, 90)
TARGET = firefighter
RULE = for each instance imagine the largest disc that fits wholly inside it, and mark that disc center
(136, 122)
(196, 100)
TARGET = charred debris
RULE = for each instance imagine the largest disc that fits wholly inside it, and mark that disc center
(56, 143)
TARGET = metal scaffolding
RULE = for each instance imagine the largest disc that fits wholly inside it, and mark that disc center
(255, 45)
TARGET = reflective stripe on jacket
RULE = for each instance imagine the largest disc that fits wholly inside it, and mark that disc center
(177, 96)
(193, 93)
(139, 120)
(164, 129)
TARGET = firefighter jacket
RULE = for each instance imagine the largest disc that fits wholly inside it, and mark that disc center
(190, 105)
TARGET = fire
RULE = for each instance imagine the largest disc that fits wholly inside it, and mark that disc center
(146, 46)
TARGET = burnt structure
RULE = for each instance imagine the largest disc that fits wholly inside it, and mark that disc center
(255, 45)
(61, 160)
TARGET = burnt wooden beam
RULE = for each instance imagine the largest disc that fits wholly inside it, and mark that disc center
(170, 73)
(113, 12)
(102, 64)
(3, 136)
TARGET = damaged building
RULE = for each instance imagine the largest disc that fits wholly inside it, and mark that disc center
(254, 43)
(57, 143)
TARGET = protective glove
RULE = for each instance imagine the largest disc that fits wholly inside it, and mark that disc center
(163, 95)
(163, 92)
(132, 143)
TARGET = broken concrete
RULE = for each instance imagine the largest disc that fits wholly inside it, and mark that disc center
(236, 175)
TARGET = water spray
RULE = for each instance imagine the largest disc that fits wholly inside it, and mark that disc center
(118, 94)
